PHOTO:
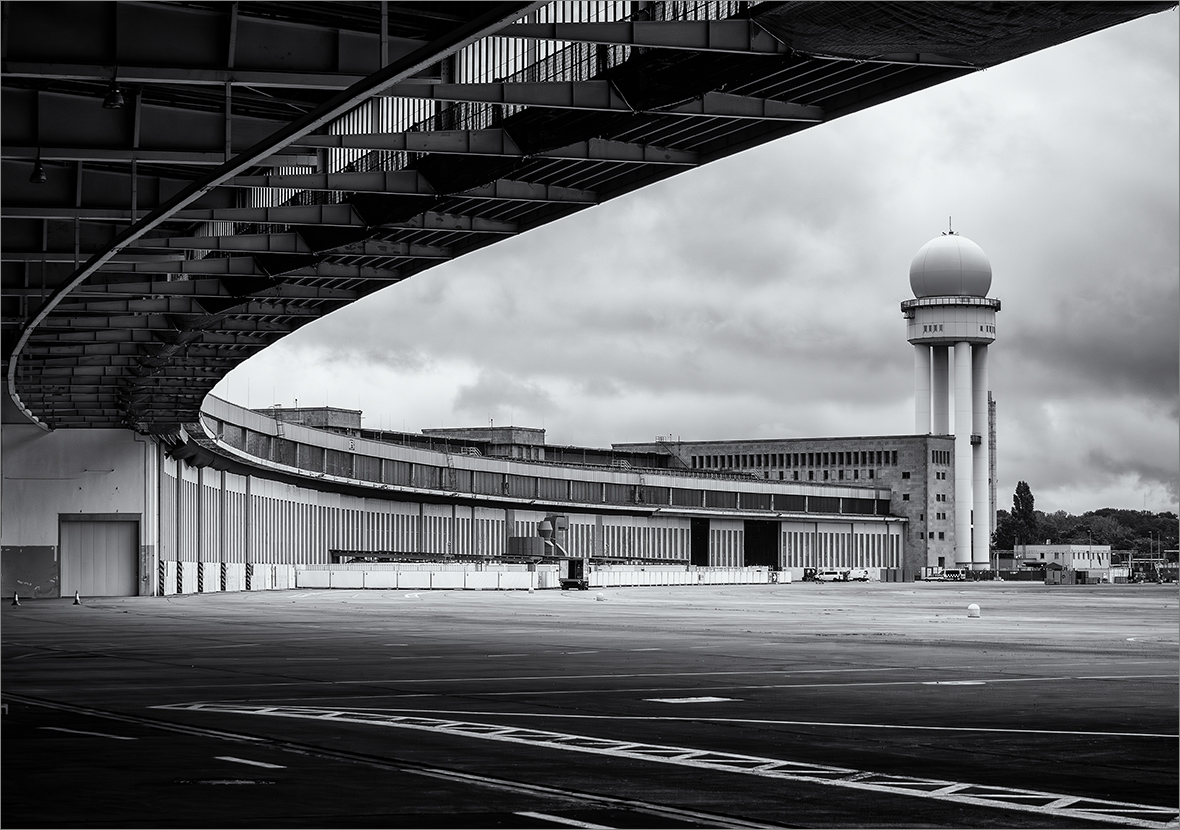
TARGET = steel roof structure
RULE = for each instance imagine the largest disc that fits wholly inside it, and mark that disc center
(184, 183)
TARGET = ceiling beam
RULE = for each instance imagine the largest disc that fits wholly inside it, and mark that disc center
(602, 96)
(495, 142)
(740, 37)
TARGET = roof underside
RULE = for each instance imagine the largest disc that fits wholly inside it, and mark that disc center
(273, 161)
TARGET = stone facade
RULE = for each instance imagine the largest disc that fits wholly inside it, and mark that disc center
(919, 471)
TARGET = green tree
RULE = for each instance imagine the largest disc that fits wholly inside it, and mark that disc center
(1004, 536)
(1024, 515)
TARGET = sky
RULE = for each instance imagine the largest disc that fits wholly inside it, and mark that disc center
(759, 296)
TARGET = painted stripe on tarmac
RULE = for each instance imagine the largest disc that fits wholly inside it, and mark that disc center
(569, 822)
(1171, 736)
(1056, 805)
(83, 732)
(234, 759)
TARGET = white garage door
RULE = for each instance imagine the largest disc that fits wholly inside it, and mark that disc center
(99, 559)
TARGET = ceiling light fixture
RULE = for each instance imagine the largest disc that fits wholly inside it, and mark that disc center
(114, 99)
(38, 176)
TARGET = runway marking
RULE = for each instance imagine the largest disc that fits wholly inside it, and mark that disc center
(1056, 805)
(236, 760)
(83, 732)
(569, 822)
(689, 699)
(954, 683)
(771, 722)
(755, 687)
(226, 645)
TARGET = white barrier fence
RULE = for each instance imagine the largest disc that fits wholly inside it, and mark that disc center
(210, 577)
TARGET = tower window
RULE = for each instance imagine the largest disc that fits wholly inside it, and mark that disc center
(905, 474)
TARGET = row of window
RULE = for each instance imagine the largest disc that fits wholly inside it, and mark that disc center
(350, 465)
(840, 475)
(848, 458)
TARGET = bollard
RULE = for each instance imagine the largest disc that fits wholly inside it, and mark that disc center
(15, 598)
(77, 600)
(973, 610)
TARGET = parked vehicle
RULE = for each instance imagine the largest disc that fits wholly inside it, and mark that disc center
(858, 575)
(832, 576)
(573, 575)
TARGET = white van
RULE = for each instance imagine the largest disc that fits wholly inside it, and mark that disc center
(858, 575)
(832, 576)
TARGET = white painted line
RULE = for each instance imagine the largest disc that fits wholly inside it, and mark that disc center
(977, 795)
(768, 722)
(232, 759)
(569, 822)
(580, 652)
(508, 655)
(82, 732)
(645, 649)
(954, 683)
(226, 645)
(690, 699)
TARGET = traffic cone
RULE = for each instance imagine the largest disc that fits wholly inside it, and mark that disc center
(15, 599)
(76, 600)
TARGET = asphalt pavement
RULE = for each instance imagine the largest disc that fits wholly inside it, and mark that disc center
(795, 705)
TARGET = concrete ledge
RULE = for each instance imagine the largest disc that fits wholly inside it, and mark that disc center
(313, 579)
(346, 579)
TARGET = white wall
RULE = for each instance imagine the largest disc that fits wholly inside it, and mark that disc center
(68, 471)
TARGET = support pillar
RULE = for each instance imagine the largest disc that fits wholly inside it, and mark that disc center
(940, 390)
(921, 389)
(980, 458)
(963, 468)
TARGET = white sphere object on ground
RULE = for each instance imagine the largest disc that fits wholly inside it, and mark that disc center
(950, 266)
(973, 610)
(601, 596)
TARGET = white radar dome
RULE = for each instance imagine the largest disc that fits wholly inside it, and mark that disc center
(950, 266)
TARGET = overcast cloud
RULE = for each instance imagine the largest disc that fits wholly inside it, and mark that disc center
(758, 297)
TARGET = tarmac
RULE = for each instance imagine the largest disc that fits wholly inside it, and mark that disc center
(792, 705)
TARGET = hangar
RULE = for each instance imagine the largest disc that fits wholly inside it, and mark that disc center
(186, 183)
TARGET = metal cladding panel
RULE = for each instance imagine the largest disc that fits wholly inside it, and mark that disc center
(721, 498)
(396, 472)
(585, 491)
(552, 488)
(823, 504)
(790, 502)
(311, 458)
(488, 484)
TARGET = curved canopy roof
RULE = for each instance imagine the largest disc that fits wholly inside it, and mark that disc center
(184, 183)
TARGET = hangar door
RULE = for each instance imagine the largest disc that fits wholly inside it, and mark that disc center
(99, 559)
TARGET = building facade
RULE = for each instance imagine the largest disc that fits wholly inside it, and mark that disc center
(917, 471)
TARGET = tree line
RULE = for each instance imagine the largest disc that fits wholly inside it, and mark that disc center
(1138, 530)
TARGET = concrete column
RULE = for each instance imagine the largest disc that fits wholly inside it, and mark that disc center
(921, 389)
(940, 390)
(980, 458)
(963, 469)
